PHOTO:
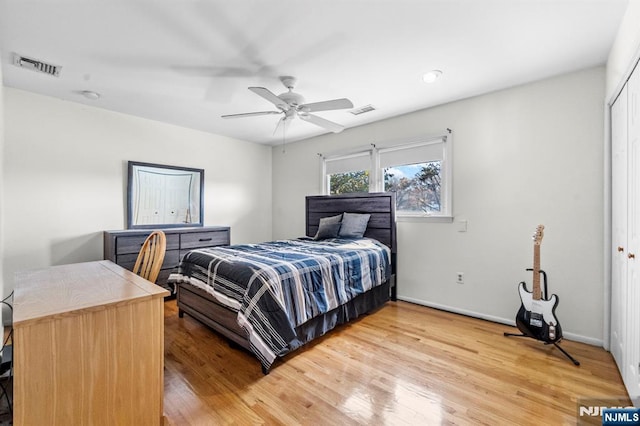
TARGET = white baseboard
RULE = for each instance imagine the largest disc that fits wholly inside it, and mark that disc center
(569, 336)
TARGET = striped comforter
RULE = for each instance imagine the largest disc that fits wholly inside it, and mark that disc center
(279, 285)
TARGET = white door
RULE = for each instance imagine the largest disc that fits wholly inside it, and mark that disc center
(150, 198)
(178, 198)
(619, 226)
(631, 372)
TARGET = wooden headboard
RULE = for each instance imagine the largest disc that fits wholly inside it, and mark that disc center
(381, 206)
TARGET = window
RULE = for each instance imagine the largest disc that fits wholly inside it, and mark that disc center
(347, 173)
(417, 186)
(419, 172)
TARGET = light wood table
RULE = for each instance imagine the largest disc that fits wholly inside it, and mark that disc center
(88, 346)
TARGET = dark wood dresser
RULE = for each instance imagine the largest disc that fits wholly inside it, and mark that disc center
(122, 247)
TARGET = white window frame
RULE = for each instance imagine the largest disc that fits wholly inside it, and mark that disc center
(446, 171)
(376, 177)
(346, 156)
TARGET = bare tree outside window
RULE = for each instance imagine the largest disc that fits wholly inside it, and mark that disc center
(417, 186)
(418, 171)
(344, 183)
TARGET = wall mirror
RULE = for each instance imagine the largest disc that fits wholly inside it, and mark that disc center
(160, 196)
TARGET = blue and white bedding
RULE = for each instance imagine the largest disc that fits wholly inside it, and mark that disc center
(279, 285)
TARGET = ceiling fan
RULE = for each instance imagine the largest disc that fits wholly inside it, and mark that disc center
(292, 105)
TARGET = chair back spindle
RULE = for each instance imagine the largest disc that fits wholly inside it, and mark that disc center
(151, 256)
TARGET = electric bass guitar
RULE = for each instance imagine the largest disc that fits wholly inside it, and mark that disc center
(537, 317)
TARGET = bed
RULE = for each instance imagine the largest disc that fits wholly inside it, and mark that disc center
(250, 294)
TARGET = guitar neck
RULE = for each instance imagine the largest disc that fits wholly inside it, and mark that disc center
(537, 291)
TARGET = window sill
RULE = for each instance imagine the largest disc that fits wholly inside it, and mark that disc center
(425, 219)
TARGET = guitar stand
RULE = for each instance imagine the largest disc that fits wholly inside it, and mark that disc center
(575, 361)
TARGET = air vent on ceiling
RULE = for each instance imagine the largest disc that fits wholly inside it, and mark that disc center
(36, 65)
(362, 110)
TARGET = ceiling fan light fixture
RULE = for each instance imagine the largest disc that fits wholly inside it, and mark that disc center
(431, 76)
(290, 114)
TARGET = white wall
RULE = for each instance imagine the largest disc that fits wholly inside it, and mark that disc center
(522, 156)
(65, 172)
(625, 49)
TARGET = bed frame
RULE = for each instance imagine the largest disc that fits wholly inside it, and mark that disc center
(382, 226)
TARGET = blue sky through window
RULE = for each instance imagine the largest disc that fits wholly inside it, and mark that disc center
(408, 170)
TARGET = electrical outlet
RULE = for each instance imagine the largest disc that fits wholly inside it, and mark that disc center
(460, 277)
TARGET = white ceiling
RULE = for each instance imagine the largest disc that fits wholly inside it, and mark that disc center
(189, 62)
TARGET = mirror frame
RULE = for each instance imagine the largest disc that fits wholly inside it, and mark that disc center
(132, 166)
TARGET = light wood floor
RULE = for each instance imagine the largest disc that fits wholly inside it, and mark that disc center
(405, 364)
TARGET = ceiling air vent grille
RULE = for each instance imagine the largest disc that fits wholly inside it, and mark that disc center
(36, 65)
(362, 110)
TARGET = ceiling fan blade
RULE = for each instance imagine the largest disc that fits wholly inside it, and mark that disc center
(327, 105)
(268, 95)
(251, 114)
(319, 121)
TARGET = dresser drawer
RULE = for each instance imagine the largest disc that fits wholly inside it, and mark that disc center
(193, 240)
(123, 246)
(133, 244)
(127, 261)
(163, 277)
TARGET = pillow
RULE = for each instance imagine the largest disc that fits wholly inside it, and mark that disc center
(327, 231)
(328, 227)
(353, 225)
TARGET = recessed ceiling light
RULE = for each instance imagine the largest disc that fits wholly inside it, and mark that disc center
(94, 96)
(431, 76)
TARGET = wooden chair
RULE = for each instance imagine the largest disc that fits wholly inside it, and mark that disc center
(151, 256)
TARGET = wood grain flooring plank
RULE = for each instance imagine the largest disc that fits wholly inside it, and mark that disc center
(405, 364)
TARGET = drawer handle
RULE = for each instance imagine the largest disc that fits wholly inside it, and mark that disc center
(206, 239)
(631, 256)
(620, 249)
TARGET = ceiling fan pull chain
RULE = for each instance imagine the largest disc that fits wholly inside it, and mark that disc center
(284, 134)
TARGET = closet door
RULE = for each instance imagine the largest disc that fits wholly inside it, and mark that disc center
(631, 370)
(619, 227)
